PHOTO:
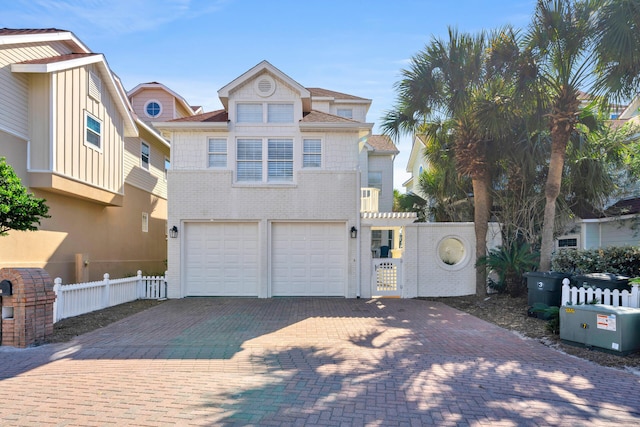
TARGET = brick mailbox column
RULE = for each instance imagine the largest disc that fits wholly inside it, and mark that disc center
(27, 314)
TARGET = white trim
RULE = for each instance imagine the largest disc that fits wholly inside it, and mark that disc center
(191, 125)
(320, 126)
(154, 132)
(43, 37)
(85, 128)
(57, 66)
(53, 128)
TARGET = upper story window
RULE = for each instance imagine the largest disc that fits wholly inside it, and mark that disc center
(280, 164)
(145, 222)
(311, 153)
(347, 113)
(217, 153)
(167, 166)
(251, 163)
(153, 108)
(255, 113)
(249, 113)
(93, 131)
(145, 154)
(249, 157)
(280, 113)
(375, 180)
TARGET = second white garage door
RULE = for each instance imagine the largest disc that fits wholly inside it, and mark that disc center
(221, 259)
(308, 259)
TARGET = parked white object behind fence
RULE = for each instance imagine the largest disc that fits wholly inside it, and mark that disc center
(575, 296)
(80, 298)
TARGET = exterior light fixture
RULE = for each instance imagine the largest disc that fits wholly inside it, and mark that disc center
(173, 232)
(354, 232)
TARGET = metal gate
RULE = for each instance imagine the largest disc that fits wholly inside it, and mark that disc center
(387, 277)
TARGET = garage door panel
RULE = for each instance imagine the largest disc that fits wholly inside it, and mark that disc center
(308, 259)
(221, 259)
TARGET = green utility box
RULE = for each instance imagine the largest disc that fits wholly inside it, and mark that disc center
(611, 329)
(544, 288)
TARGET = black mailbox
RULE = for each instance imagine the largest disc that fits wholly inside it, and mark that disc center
(5, 288)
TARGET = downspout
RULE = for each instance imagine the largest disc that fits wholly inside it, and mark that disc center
(359, 235)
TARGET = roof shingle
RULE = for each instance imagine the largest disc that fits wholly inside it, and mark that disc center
(382, 143)
(219, 116)
(319, 92)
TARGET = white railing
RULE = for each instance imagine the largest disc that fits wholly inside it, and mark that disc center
(574, 296)
(369, 199)
(80, 298)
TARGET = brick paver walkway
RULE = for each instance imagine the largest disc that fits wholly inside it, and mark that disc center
(328, 362)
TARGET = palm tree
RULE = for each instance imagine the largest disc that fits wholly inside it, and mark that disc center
(574, 43)
(442, 82)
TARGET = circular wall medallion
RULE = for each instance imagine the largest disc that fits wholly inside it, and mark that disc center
(265, 85)
(452, 251)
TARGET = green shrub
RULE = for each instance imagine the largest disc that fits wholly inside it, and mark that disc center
(623, 260)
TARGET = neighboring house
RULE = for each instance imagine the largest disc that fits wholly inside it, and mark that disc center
(154, 102)
(266, 194)
(415, 166)
(618, 224)
(68, 130)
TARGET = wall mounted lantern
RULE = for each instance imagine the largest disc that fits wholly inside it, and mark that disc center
(173, 232)
(354, 232)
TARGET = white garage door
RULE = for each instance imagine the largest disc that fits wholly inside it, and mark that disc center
(308, 259)
(221, 259)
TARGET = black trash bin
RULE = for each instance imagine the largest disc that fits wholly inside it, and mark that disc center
(544, 288)
(602, 281)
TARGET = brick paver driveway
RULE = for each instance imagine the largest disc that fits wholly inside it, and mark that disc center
(222, 361)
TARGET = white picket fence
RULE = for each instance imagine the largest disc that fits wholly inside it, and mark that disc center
(80, 298)
(575, 296)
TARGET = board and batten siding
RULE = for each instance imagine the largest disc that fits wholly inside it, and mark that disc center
(101, 168)
(14, 103)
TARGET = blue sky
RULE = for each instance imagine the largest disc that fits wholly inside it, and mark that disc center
(195, 47)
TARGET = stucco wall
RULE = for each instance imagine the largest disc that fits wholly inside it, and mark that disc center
(209, 195)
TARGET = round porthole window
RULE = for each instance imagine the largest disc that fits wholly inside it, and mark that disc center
(451, 251)
(153, 109)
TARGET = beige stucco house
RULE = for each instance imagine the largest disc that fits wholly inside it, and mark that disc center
(68, 130)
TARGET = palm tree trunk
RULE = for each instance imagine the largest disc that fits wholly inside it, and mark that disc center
(481, 215)
(559, 139)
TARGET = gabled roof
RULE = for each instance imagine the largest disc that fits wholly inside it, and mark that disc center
(262, 67)
(156, 85)
(218, 119)
(336, 96)
(315, 116)
(212, 116)
(9, 36)
(74, 60)
(416, 151)
(382, 144)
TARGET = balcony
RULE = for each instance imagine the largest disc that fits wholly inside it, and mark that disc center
(369, 199)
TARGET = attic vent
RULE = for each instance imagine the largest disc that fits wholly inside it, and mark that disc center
(265, 86)
(95, 86)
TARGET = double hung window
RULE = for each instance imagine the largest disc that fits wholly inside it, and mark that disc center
(145, 153)
(255, 113)
(311, 153)
(93, 131)
(251, 164)
(217, 153)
